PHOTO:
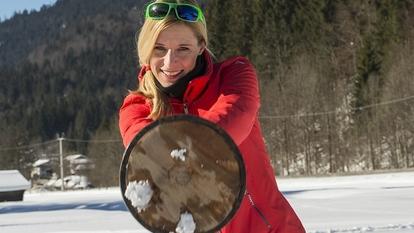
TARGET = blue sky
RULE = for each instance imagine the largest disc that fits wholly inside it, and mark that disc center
(8, 7)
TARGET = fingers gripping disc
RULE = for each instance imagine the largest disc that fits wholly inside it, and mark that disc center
(182, 174)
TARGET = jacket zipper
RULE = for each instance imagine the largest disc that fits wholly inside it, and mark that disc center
(258, 211)
(185, 108)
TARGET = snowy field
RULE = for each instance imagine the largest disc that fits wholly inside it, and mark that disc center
(368, 203)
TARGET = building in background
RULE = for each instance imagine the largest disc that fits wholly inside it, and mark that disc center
(45, 172)
(12, 185)
(79, 164)
(80, 167)
(42, 169)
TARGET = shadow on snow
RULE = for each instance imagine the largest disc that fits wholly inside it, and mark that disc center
(109, 206)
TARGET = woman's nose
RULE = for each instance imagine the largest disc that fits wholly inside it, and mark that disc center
(170, 58)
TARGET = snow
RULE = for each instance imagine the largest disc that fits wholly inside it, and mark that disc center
(368, 203)
(186, 224)
(12, 180)
(139, 193)
(70, 182)
(379, 203)
(75, 157)
(179, 154)
(41, 162)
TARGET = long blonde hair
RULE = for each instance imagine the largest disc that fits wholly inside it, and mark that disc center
(145, 45)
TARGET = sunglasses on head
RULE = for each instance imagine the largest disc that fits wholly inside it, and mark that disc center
(184, 12)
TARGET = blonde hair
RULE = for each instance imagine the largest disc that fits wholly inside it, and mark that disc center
(145, 45)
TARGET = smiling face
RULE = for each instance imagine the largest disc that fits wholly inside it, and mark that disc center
(175, 54)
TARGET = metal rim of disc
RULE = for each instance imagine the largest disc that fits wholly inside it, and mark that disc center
(227, 139)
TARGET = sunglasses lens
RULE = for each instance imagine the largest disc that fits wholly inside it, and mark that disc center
(158, 10)
(188, 13)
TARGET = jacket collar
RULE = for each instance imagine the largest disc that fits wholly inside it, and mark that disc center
(196, 86)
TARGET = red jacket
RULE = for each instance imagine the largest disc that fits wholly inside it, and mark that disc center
(228, 95)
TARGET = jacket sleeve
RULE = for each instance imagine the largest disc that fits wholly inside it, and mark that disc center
(133, 116)
(238, 103)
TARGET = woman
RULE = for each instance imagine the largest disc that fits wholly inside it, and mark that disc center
(178, 76)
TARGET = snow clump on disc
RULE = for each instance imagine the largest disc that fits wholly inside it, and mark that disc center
(139, 193)
(179, 154)
(186, 224)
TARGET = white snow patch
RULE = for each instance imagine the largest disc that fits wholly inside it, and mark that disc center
(179, 154)
(139, 193)
(387, 228)
(186, 224)
(12, 180)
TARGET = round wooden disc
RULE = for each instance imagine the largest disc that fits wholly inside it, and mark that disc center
(208, 181)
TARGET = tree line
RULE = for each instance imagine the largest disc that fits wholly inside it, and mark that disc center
(337, 90)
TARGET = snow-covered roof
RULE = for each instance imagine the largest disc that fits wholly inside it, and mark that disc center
(73, 157)
(81, 161)
(12, 180)
(40, 162)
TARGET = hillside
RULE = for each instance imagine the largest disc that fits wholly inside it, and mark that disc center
(65, 69)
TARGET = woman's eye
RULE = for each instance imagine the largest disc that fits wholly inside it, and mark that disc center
(159, 48)
(183, 51)
(159, 51)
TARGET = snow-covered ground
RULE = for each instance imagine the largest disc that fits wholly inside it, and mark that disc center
(368, 203)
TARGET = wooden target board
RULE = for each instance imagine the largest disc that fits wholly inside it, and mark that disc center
(182, 174)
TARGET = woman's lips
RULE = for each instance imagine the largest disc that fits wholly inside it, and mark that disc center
(171, 75)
